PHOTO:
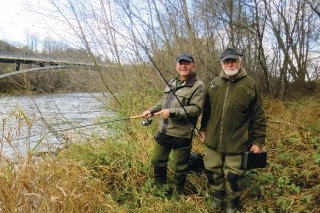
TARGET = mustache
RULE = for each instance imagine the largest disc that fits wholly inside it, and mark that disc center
(231, 69)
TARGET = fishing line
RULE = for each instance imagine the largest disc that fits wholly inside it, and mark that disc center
(185, 114)
(143, 46)
(86, 43)
(145, 122)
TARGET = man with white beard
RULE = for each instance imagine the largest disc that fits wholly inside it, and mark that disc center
(233, 121)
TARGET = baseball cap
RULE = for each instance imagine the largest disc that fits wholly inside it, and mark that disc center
(185, 56)
(230, 53)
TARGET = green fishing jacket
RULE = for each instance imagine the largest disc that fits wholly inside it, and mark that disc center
(234, 116)
(182, 121)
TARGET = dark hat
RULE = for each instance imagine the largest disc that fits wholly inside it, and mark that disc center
(230, 53)
(185, 56)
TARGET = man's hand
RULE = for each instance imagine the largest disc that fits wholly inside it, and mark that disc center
(256, 149)
(146, 114)
(203, 135)
(165, 113)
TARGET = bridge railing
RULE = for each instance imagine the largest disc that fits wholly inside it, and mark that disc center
(45, 58)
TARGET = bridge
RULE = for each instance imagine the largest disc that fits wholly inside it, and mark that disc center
(45, 61)
(42, 59)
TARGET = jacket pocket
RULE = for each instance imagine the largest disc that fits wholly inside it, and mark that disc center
(239, 140)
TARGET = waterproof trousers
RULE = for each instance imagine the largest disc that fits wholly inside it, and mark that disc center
(224, 174)
(181, 153)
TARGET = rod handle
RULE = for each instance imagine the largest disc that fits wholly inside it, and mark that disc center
(136, 116)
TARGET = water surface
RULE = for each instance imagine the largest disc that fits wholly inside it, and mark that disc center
(47, 121)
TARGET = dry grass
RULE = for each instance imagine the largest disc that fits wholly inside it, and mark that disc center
(50, 185)
(115, 175)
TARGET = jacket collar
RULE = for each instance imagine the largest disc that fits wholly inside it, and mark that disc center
(189, 82)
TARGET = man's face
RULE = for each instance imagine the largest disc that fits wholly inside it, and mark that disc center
(185, 68)
(231, 66)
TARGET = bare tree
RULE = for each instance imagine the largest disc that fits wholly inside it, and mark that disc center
(315, 6)
(276, 37)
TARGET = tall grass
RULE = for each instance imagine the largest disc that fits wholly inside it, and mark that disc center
(115, 175)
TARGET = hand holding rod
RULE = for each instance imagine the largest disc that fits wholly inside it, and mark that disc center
(165, 113)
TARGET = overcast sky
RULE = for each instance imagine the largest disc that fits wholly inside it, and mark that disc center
(16, 22)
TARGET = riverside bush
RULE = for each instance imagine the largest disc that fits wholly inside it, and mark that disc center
(115, 174)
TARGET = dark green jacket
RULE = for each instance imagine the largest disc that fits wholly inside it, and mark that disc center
(191, 95)
(234, 116)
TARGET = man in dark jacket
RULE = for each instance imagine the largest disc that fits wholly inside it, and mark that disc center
(233, 121)
(179, 109)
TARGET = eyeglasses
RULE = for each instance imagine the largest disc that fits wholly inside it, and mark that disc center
(232, 61)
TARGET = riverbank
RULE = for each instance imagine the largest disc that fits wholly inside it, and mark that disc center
(45, 122)
(115, 174)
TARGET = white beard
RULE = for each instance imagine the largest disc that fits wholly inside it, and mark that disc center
(231, 72)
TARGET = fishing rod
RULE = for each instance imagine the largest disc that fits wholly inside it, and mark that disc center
(145, 122)
(143, 46)
(186, 115)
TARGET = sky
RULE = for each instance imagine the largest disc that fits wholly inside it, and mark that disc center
(17, 22)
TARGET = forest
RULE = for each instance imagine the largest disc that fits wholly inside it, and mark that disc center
(279, 39)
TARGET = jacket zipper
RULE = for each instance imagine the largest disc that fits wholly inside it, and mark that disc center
(222, 117)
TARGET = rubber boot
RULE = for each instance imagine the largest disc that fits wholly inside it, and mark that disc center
(216, 203)
(232, 205)
(160, 176)
(159, 161)
(181, 163)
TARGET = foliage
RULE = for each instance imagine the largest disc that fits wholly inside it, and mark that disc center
(115, 175)
(278, 39)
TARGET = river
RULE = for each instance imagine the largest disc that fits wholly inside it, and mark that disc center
(46, 122)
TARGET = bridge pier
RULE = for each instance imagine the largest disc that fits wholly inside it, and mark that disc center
(18, 65)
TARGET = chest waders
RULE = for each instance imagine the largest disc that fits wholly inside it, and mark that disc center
(181, 148)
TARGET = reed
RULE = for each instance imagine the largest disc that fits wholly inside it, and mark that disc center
(115, 174)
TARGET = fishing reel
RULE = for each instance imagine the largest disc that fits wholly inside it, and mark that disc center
(146, 122)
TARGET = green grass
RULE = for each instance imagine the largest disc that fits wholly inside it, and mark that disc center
(115, 175)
